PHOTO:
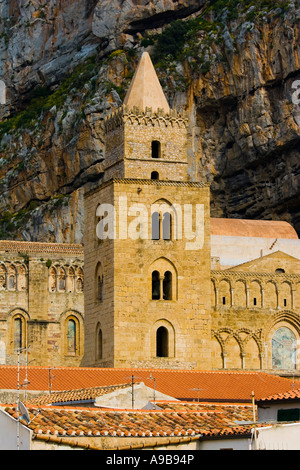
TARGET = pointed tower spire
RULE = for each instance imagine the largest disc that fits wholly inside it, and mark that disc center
(145, 89)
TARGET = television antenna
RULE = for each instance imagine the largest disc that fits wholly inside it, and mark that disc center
(51, 376)
(153, 378)
(197, 390)
(132, 377)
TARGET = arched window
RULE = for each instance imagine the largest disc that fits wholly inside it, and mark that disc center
(154, 175)
(284, 349)
(99, 344)
(70, 279)
(161, 226)
(155, 226)
(71, 337)
(61, 280)
(166, 226)
(99, 283)
(2, 277)
(22, 278)
(167, 286)
(79, 280)
(12, 278)
(156, 149)
(162, 342)
(52, 279)
(279, 271)
(100, 288)
(18, 333)
(155, 285)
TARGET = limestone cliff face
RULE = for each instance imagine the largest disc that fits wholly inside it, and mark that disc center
(67, 63)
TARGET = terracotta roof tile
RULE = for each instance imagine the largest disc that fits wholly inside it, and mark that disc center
(252, 228)
(39, 247)
(161, 423)
(289, 395)
(83, 394)
(213, 385)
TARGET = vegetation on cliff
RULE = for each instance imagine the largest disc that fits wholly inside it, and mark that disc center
(225, 59)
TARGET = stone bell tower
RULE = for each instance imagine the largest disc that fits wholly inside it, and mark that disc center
(147, 241)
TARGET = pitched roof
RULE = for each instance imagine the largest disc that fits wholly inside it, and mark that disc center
(289, 395)
(252, 228)
(180, 384)
(145, 89)
(184, 420)
(81, 395)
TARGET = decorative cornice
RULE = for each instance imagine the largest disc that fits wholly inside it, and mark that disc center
(246, 274)
(123, 114)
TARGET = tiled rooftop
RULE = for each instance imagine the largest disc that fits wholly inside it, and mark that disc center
(39, 247)
(175, 420)
(81, 395)
(289, 395)
(180, 384)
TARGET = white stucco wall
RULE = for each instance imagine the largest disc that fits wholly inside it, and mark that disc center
(279, 437)
(9, 433)
(233, 251)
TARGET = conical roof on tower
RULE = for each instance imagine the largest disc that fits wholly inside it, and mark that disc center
(145, 90)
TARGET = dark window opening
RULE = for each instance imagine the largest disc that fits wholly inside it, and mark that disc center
(155, 226)
(155, 285)
(18, 339)
(167, 226)
(293, 414)
(156, 149)
(100, 349)
(162, 342)
(279, 270)
(224, 300)
(71, 337)
(254, 301)
(167, 286)
(100, 288)
(284, 302)
(154, 175)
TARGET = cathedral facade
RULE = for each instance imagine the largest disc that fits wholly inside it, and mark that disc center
(165, 285)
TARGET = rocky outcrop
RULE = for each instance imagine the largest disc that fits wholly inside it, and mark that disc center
(67, 65)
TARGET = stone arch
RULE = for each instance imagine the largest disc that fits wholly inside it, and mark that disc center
(297, 296)
(231, 348)
(168, 334)
(213, 291)
(72, 346)
(224, 292)
(163, 270)
(22, 317)
(285, 295)
(22, 274)
(79, 279)
(240, 293)
(270, 294)
(52, 279)
(283, 319)
(255, 294)
(70, 279)
(163, 220)
(3, 276)
(61, 279)
(12, 277)
(252, 350)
